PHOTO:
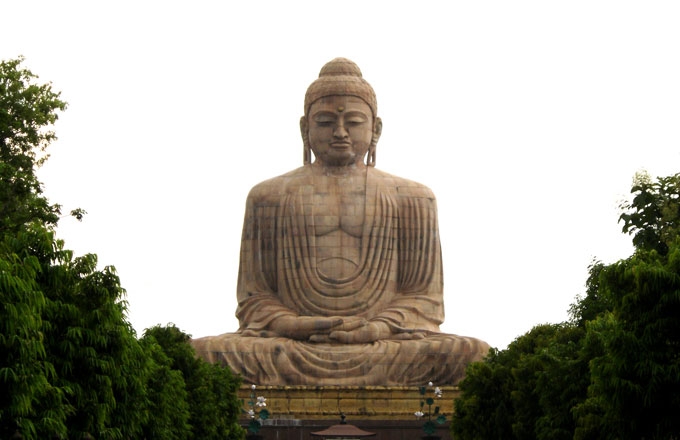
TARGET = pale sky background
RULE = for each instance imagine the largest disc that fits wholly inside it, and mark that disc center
(528, 119)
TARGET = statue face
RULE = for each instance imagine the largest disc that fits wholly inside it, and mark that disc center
(340, 129)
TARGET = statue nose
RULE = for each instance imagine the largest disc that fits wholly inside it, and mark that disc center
(340, 132)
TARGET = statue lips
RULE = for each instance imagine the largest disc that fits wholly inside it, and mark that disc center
(341, 145)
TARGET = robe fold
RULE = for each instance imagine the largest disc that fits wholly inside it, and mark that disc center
(397, 280)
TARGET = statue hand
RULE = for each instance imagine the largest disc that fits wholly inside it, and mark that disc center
(372, 331)
(308, 327)
(408, 336)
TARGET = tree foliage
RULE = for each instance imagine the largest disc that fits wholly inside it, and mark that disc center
(485, 396)
(167, 397)
(30, 402)
(521, 392)
(71, 365)
(613, 370)
(652, 217)
(27, 110)
(213, 407)
(635, 383)
(93, 348)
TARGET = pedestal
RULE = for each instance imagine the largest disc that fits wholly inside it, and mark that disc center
(296, 411)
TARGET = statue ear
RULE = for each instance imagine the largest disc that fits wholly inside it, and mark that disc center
(377, 130)
(306, 150)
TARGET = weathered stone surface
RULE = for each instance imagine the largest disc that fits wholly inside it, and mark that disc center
(340, 279)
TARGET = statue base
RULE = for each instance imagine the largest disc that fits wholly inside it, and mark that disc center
(296, 411)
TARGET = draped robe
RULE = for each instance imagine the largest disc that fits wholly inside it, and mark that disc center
(398, 281)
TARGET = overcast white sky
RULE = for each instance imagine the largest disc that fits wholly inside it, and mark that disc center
(528, 119)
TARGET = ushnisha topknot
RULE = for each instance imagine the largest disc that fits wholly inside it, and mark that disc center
(341, 77)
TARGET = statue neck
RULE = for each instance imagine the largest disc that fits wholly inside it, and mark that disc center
(354, 169)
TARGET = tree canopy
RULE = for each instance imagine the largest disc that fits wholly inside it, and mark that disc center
(27, 111)
(71, 365)
(213, 407)
(613, 370)
(652, 217)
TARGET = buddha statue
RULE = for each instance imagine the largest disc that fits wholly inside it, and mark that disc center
(340, 278)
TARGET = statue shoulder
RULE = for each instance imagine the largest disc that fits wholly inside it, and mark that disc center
(279, 185)
(401, 186)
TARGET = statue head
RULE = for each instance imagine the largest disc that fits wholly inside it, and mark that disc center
(341, 78)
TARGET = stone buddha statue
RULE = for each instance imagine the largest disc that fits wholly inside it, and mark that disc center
(340, 278)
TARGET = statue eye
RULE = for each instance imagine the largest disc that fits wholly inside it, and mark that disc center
(324, 120)
(355, 119)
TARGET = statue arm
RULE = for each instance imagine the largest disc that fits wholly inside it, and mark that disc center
(418, 306)
(258, 303)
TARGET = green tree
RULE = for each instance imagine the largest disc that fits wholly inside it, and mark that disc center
(29, 402)
(526, 391)
(593, 303)
(613, 370)
(211, 389)
(27, 110)
(561, 382)
(167, 396)
(635, 391)
(634, 343)
(653, 215)
(92, 347)
(70, 363)
(485, 410)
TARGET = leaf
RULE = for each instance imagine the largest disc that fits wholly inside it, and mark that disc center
(254, 426)
(429, 427)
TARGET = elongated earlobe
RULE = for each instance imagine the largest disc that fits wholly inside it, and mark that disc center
(306, 155)
(306, 150)
(377, 130)
(370, 158)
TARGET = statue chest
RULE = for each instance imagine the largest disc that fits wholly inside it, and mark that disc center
(338, 216)
(339, 205)
(339, 212)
